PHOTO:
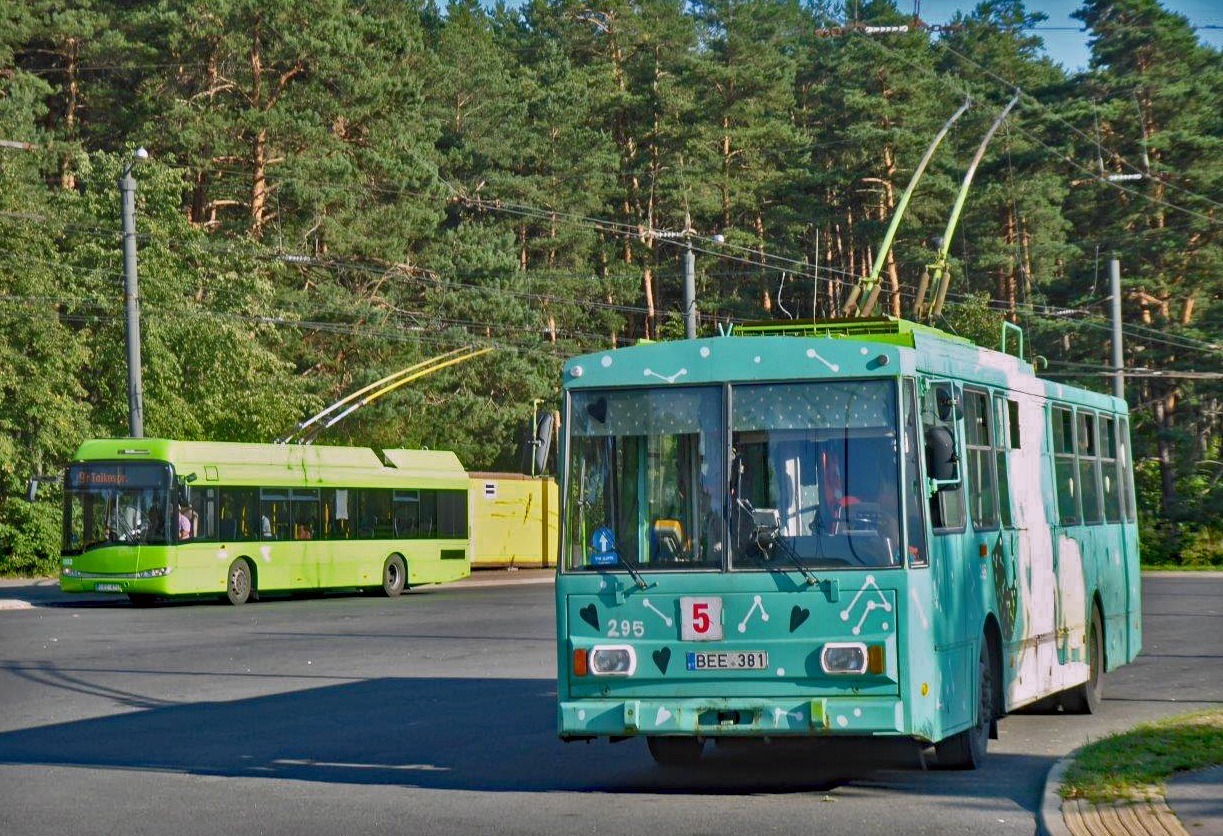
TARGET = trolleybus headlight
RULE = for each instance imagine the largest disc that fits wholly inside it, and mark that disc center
(847, 657)
(613, 660)
(154, 573)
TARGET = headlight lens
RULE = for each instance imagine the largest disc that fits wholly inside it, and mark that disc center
(613, 660)
(848, 657)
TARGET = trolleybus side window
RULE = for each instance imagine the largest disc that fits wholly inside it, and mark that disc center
(1006, 418)
(1065, 479)
(275, 516)
(239, 516)
(1110, 473)
(982, 492)
(1125, 459)
(339, 513)
(940, 413)
(1089, 466)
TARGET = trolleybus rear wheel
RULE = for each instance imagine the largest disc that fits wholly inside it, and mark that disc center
(1085, 698)
(675, 751)
(394, 576)
(238, 585)
(966, 750)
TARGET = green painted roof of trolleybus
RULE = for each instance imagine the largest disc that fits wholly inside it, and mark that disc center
(285, 464)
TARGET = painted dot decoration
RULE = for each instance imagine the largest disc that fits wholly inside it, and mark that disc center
(606, 361)
(704, 351)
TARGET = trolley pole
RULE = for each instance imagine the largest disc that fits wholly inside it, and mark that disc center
(131, 297)
(1114, 276)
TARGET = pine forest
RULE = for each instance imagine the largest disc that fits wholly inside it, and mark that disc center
(338, 189)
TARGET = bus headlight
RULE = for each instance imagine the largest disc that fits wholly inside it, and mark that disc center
(843, 657)
(154, 573)
(612, 660)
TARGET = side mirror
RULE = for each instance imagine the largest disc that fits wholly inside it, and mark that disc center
(942, 462)
(543, 442)
(31, 488)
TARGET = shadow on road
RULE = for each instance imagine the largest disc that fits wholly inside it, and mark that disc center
(493, 735)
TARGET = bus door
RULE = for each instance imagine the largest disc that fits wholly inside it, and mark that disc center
(956, 575)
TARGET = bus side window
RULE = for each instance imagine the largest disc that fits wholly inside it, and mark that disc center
(1064, 465)
(940, 412)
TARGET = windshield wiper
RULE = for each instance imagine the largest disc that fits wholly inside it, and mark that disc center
(767, 537)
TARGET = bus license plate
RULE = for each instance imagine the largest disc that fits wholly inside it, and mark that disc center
(108, 587)
(729, 660)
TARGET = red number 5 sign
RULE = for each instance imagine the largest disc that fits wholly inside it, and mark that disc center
(701, 619)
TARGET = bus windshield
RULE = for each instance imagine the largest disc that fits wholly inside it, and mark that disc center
(116, 503)
(814, 474)
(807, 478)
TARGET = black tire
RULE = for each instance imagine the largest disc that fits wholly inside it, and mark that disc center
(1085, 698)
(238, 586)
(142, 599)
(394, 576)
(966, 749)
(675, 751)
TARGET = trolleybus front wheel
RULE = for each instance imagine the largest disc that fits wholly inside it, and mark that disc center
(238, 583)
(966, 750)
(675, 751)
(394, 576)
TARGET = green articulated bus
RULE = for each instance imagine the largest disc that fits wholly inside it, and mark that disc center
(848, 528)
(153, 518)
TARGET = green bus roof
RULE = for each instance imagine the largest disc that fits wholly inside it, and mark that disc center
(882, 329)
(233, 463)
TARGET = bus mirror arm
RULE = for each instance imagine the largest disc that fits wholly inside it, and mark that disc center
(31, 490)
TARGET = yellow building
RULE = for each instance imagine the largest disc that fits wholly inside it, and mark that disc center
(513, 520)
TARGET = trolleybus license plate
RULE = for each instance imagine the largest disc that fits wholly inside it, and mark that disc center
(108, 587)
(729, 660)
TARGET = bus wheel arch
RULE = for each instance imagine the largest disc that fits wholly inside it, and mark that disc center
(394, 575)
(967, 749)
(241, 581)
(1085, 698)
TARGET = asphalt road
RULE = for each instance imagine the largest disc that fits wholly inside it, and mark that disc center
(434, 713)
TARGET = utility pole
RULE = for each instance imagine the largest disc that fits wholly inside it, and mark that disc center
(1114, 277)
(689, 291)
(131, 296)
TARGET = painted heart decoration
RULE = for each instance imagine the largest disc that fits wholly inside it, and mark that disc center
(662, 658)
(797, 616)
(590, 614)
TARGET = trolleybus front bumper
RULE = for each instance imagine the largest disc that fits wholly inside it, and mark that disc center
(748, 717)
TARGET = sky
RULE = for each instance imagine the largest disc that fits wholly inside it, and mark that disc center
(1064, 39)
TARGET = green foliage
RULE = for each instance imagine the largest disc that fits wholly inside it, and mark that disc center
(339, 190)
(29, 537)
(1130, 764)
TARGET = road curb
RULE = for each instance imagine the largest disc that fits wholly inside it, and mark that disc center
(1050, 821)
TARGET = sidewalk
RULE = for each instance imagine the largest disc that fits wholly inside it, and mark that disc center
(1193, 807)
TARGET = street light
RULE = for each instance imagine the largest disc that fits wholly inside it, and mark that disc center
(131, 295)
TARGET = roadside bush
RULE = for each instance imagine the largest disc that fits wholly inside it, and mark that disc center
(29, 538)
(1201, 546)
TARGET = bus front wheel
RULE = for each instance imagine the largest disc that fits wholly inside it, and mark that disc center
(675, 751)
(966, 750)
(394, 576)
(238, 583)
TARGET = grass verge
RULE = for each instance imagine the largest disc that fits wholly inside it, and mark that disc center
(1133, 763)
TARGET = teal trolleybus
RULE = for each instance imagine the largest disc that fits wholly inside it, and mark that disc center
(858, 528)
(153, 517)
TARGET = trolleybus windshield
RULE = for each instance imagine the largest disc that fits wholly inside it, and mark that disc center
(808, 477)
(116, 503)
